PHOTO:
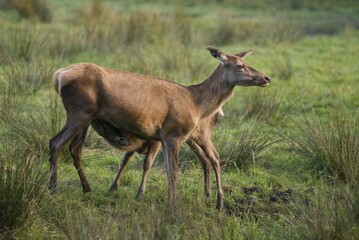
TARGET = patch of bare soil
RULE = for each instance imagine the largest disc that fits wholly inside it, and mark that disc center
(253, 201)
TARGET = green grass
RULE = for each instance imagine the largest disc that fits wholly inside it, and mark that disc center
(287, 173)
(332, 145)
(21, 186)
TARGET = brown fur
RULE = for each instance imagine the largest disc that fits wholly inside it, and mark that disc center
(149, 107)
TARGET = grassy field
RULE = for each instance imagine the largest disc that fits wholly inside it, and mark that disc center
(289, 152)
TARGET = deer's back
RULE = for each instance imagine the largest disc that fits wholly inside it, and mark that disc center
(148, 106)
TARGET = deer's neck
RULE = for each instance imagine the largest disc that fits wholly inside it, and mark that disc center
(212, 93)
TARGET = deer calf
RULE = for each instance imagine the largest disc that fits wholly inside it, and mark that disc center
(126, 141)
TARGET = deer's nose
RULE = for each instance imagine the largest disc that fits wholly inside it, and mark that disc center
(267, 79)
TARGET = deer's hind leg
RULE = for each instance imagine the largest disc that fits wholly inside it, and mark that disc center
(75, 149)
(72, 128)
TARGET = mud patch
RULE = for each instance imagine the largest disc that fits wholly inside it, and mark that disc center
(283, 196)
(253, 201)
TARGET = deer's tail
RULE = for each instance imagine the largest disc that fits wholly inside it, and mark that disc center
(56, 81)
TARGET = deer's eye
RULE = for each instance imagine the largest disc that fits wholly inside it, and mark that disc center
(240, 66)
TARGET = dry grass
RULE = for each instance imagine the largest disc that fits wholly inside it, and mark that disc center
(36, 9)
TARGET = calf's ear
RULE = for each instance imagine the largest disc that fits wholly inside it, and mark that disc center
(122, 141)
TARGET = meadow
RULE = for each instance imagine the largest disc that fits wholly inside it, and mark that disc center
(289, 152)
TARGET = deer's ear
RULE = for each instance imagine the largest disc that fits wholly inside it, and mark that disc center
(216, 53)
(244, 54)
(122, 141)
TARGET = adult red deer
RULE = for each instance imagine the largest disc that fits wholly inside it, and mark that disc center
(126, 141)
(149, 107)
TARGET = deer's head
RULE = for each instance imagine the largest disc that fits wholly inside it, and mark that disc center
(237, 72)
(113, 135)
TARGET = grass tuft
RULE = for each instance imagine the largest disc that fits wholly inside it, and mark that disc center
(29, 76)
(330, 214)
(243, 144)
(32, 129)
(333, 146)
(23, 42)
(21, 185)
